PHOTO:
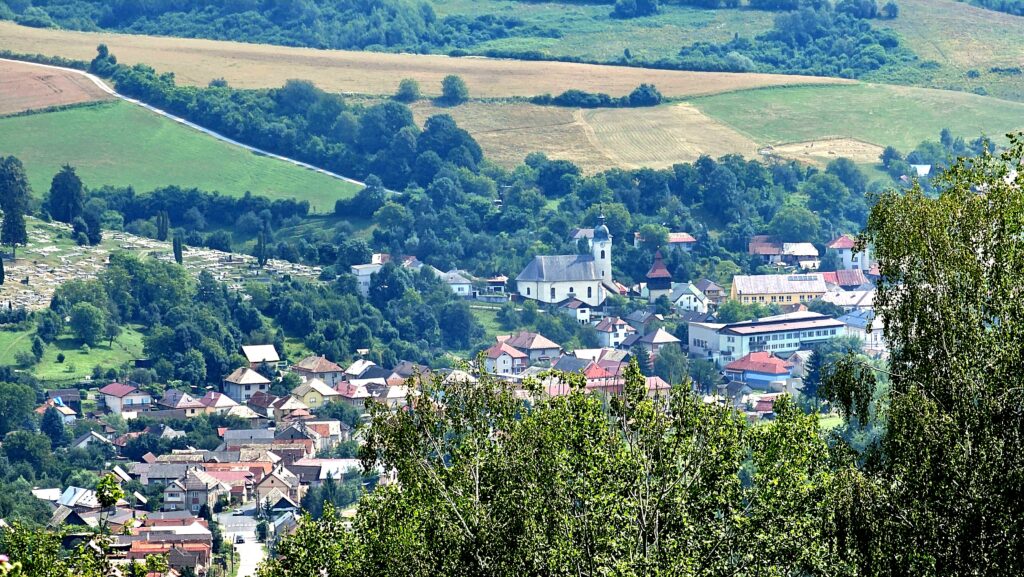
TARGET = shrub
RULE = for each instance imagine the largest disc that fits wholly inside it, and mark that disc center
(408, 90)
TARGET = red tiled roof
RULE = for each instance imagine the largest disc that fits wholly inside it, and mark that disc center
(595, 371)
(529, 341)
(118, 390)
(843, 242)
(850, 277)
(658, 269)
(680, 237)
(761, 362)
(504, 349)
(318, 365)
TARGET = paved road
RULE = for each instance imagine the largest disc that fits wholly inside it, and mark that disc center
(250, 553)
(104, 87)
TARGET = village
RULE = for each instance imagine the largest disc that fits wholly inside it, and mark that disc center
(286, 438)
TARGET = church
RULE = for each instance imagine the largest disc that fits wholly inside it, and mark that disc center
(587, 277)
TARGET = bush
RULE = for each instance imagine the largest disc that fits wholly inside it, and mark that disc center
(25, 359)
(408, 90)
(454, 90)
(60, 357)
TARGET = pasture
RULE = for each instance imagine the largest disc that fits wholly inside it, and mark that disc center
(197, 62)
(121, 144)
(871, 113)
(24, 87)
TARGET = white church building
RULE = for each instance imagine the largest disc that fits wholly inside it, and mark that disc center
(587, 277)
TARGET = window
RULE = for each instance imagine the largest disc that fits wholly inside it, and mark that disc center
(248, 387)
(572, 290)
(602, 254)
(552, 293)
(590, 292)
(527, 290)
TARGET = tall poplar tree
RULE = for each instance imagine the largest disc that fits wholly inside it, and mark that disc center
(15, 193)
(67, 195)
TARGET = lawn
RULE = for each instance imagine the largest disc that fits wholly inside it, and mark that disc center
(121, 144)
(879, 114)
(77, 364)
(827, 423)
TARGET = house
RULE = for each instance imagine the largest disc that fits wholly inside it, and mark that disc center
(587, 277)
(846, 279)
(364, 275)
(67, 397)
(781, 335)
(683, 241)
(687, 297)
(315, 393)
(89, 439)
(536, 346)
(611, 331)
(575, 309)
(759, 370)
(459, 283)
(315, 367)
(777, 288)
(659, 280)
(67, 414)
(262, 403)
(282, 480)
(714, 292)
(869, 328)
(855, 300)
(285, 407)
(243, 383)
(219, 403)
(174, 399)
(799, 361)
(765, 248)
(195, 489)
(652, 342)
(644, 321)
(120, 398)
(259, 355)
(845, 249)
(353, 393)
(502, 359)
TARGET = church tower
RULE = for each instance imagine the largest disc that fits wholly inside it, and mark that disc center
(602, 250)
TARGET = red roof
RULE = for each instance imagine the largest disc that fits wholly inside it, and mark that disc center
(680, 237)
(658, 269)
(503, 349)
(527, 341)
(760, 362)
(595, 371)
(117, 390)
(843, 242)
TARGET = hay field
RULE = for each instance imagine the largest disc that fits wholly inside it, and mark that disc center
(821, 152)
(259, 65)
(595, 139)
(873, 113)
(25, 87)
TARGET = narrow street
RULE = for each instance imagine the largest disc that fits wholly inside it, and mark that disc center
(250, 553)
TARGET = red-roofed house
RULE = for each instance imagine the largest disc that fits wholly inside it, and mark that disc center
(759, 370)
(502, 359)
(676, 240)
(848, 259)
(120, 398)
(611, 331)
(320, 368)
(846, 279)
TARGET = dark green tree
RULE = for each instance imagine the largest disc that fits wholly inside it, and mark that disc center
(37, 348)
(15, 193)
(454, 90)
(52, 425)
(177, 248)
(260, 251)
(3, 273)
(16, 401)
(163, 225)
(67, 195)
(88, 322)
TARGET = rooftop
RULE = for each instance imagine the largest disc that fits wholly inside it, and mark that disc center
(260, 353)
(761, 362)
(572, 267)
(315, 364)
(246, 376)
(779, 284)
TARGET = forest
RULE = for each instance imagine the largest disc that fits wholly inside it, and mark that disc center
(1015, 7)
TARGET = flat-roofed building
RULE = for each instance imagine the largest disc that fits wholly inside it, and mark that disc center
(781, 335)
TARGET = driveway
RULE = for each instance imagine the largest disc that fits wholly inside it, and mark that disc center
(250, 555)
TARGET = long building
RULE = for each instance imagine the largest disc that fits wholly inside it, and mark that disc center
(778, 288)
(781, 335)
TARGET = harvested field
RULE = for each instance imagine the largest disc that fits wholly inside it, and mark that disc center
(259, 65)
(594, 139)
(24, 87)
(820, 152)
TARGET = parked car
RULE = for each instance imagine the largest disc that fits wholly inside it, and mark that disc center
(239, 539)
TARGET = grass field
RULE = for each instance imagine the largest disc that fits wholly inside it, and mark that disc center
(77, 364)
(121, 144)
(961, 37)
(588, 31)
(258, 65)
(24, 87)
(877, 114)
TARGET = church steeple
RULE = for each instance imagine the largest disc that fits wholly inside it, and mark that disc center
(602, 250)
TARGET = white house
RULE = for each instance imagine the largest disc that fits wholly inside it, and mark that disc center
(869, 328)
(587, 277)
(687, 297)
(120, 398)
(501, 359)
(363, 274)
(611, 331)
(243, 383)
(849, 260)
(460, 285)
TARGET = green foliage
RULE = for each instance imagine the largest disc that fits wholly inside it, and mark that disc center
(66, 201)
(16, 404)
(408, 91)
(52, 426)
(87, 322)
(109, 491)
(15, 195)
(454, 90)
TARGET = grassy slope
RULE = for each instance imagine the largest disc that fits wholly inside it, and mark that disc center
(589, 32)
(882, 115)
(76, 364)
(121, 144)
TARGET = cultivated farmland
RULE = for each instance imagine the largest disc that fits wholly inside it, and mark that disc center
(259, 65)
(24, 87)
(120, 144)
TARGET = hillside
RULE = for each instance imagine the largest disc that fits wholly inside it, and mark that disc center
(120, 144)
(25, 88)
(197, 62)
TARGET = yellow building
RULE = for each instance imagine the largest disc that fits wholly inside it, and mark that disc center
(315, 393)
(783, 289)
